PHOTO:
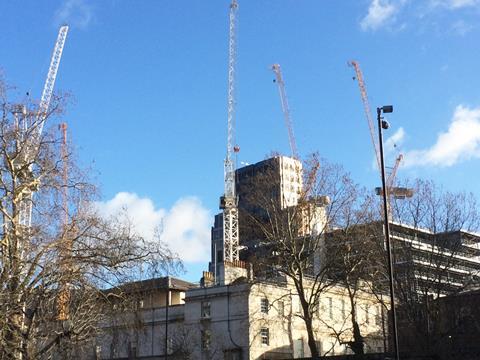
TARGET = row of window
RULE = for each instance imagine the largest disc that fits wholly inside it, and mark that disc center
(329, 308)
(206, 337)
(326, 308)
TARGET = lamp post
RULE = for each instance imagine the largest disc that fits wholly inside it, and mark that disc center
(383, 124)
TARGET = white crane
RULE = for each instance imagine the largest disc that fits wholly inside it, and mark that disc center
(228, 202)
(25, 217)
(286, 109)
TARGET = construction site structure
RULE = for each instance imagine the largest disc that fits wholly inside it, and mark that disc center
(366, 108)
(229, 201)
(286, 109)
(396, 192)
(38, 122)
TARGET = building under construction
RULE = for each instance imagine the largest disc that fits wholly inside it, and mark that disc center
(280, 177)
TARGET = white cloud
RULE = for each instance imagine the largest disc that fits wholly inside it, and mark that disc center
(390, 147)
(185, 228)
(75, 13)
(379, 12)
(395, 140)
(460, 142)
(461, 27)
(455, 4)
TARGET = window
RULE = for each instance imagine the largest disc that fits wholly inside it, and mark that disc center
(132, 349)
(298, 349)
(281, 308)
(98, 352)
(299, 306)
(264, 305)
(378, 317)
(206, 339)
(330, 308)
(265, 336)
(344, 314)
(233, 354)
(367, 314)
(205, 309)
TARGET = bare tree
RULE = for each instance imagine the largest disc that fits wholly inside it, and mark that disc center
(56, 253)
(357, 264)
(434, 249)
(286, 239)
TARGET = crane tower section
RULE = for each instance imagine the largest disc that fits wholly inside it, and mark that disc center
(286, 109)
(51, 77)
(366, 107)
(39, 120)
(229, 201)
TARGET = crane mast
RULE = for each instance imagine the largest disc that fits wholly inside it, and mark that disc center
(366, 108)
(51, 77)
(39, 120)
(371, 126)
(286, 109)
(396, 192)
(393, 174)
(229, 201)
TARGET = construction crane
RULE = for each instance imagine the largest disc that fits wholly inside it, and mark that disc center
(392, 191)
(39, 120)
(371, 126)
(286, 110)
(229, 201)
(393, 174)
(366, 108)
(51, 77)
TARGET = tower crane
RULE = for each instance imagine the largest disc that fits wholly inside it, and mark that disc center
(393, 174)
(371, 126)
(39, 120)
(51, 77)
(366, 108)
(286, 109)
(229, 201)
(396, 192)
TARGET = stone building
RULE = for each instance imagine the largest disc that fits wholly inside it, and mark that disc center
(235, 313)
(237, 320)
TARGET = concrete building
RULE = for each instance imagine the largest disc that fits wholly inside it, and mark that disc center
(436, 263)
(235, 314)
(447, 327)
(141, 319)
(241, 320)
(279, 176)
(280, 179)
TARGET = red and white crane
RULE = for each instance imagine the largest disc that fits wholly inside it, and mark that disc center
(286, 109)
(229, 202)
(371, 126)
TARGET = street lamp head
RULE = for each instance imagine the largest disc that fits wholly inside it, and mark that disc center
(387, 109)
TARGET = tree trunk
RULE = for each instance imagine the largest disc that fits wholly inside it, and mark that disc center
(311, 339)
(357, 345)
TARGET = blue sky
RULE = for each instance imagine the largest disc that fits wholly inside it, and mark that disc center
(149, 82)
